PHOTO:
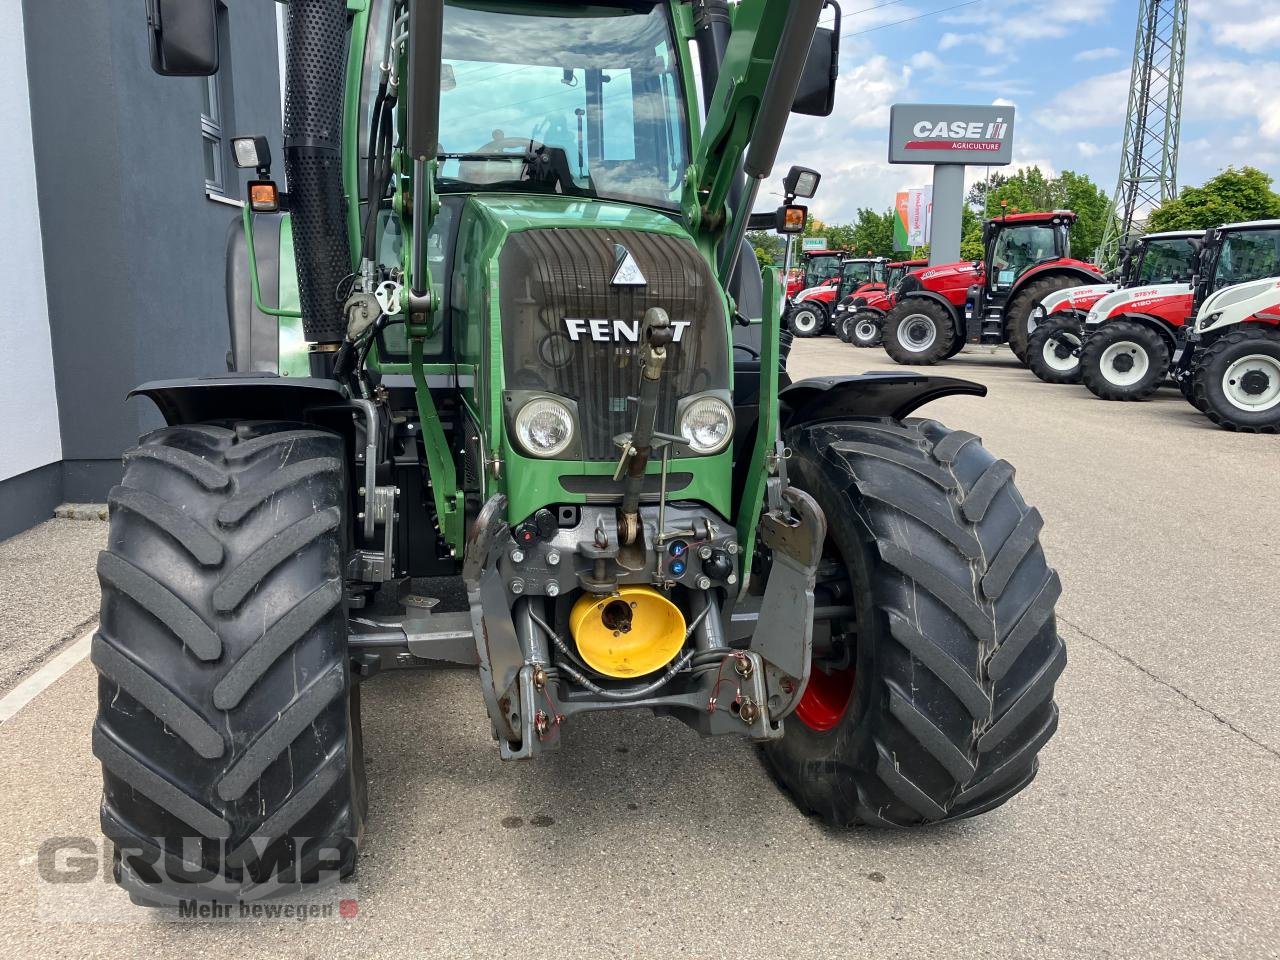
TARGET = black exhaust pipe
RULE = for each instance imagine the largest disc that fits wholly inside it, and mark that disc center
(316, 57)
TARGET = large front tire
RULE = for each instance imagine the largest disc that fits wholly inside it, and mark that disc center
(1124, 360)
(1053, 351)
(1236, 382)
(919, 332)
(228, 726)
(949, 694)
(865, 329)
(807, 319)
(1017, 313)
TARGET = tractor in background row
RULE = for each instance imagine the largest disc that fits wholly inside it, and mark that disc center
(816, 267)
(858, 318)
(813, 310)
(1131, 336)
(1157, 260)
(1027, 256)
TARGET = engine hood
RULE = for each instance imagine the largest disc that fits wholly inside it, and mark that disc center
(1144, 299)
(1076, 298)
(941, 274)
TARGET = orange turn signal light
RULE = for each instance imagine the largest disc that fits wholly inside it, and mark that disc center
(792, 219)
(264, 197)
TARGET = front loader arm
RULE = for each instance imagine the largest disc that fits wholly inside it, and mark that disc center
(758, 28)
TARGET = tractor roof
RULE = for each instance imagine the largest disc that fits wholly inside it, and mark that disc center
(1174, 235)
(910, 263)
(1039, 216)
(1252, 225)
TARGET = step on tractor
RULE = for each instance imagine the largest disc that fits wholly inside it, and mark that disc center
(1132, 336)
(1027, 256)
(816, 267)
(528, 443)
(812, 311)
(1057, 323)
(858, 318)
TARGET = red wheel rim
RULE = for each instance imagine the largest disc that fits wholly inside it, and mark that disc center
(825, 699)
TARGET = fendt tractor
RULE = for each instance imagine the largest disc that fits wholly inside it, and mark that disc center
(812, 311)
(1057, 324)
(528, 442)
(1027, 256)
(858, 318)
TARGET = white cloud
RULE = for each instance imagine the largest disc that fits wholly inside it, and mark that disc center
(1087, 149)
(991, 43)
(925, 60)
(1099, 101)
(1097, 53)
(1218, 89)
(1022, 20)
(1002, 102)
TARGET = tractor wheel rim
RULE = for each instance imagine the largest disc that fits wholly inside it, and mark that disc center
(1125, 363)
(1252, 383)
(917, 333)
(826, 698)
(865, 331)
(1060, 352)
(806, 320)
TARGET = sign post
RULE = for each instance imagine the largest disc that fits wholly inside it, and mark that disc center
(950, 137)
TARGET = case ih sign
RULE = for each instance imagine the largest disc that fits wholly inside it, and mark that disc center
(947, 133)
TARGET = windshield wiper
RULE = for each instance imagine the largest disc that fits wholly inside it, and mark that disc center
(540, 165)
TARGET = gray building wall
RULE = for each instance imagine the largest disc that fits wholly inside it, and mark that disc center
(133, 249)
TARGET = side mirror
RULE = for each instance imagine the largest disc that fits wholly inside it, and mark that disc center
(816, 94)
(184, 37)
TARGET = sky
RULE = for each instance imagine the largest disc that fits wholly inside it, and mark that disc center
(1063, 64)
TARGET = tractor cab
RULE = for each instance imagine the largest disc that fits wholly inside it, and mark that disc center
(857, 273)
(1155, 258)
(817, 268)
(1018, 242)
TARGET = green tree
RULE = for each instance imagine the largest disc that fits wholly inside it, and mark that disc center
(970, 235)
(872, 233)
(1232, 196)
(1030, 190)
(768, 247)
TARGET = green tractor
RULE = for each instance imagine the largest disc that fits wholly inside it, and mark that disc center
(508, 394)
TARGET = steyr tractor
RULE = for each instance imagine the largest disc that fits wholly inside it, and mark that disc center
(1057, 323)
(858, 317)
(1132, 336)
(529, 443)
(1027, 256)
(813, 310)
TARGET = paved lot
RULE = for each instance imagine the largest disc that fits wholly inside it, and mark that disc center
(1151, 831)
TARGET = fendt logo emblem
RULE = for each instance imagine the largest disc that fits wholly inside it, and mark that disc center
(626, 272)
(615, 331)
(959, 135)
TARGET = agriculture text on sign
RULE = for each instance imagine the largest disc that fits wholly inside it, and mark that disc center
(947, 133)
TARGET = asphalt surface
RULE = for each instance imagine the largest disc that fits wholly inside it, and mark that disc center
(1150, 832)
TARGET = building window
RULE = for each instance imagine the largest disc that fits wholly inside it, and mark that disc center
(217, 122)
(211, 130)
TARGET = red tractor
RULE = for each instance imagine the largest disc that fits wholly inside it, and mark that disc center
(1057, 323)
(1027, 256)
(811, 311)
(858, 318)
(815, 267)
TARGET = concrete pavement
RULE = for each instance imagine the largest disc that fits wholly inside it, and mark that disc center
(1150, 832)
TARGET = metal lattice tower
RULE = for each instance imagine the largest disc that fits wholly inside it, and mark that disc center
(1149, 161)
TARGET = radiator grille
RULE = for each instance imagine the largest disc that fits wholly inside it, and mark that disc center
(550, 275)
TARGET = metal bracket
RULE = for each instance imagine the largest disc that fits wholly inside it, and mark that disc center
(787, 608)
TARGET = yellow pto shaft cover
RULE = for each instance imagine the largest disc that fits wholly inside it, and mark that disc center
(629, 633)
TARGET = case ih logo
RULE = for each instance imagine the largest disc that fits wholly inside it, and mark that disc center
(615, 331)
(958, 135)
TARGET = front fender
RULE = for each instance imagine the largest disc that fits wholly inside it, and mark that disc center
(246, 396)
(888, 394)
(937, 298)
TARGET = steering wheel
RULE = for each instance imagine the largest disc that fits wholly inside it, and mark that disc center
(750, 351)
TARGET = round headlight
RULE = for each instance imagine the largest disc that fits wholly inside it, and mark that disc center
(544, 427)
(707, 425)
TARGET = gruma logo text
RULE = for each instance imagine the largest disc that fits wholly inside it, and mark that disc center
(959, 135)
(615, 331)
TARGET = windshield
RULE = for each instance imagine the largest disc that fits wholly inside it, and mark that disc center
(819, 269)
(1248, 255)
(598, 87)
(858, 271)
(1017, 249)
(1167, 261)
